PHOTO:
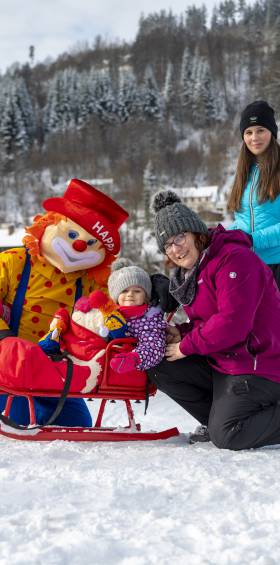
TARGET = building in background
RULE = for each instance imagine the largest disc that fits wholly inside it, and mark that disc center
(198, 197)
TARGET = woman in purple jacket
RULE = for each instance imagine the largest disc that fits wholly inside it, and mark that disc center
(223, 367)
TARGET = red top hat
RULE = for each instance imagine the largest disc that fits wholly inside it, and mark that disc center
(93, 210)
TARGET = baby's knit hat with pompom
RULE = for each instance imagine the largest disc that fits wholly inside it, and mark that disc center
(125, 274)
(173, 217)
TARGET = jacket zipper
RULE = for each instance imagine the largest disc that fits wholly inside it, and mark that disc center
(252, 187)
(254, 357)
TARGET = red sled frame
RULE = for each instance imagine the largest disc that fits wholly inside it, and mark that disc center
(112, 387)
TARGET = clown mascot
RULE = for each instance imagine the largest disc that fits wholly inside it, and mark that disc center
(67, 252)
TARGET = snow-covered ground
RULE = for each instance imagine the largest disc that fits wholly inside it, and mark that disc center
(157, 503)
(12, 240)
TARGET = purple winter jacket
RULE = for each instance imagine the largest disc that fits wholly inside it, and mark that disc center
(235, 314)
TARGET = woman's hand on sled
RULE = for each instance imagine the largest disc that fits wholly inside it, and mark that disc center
(172, 335)
(172, 352)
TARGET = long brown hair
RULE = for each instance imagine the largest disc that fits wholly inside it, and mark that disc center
(269, 185)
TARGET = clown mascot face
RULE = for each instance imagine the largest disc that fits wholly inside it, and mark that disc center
(67, 252)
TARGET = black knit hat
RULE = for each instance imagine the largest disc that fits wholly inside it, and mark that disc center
(259, 113)
(173, 217)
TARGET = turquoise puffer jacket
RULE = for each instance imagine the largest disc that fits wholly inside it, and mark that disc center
(261, 220)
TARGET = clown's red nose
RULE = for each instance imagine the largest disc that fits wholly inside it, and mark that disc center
(79, 245)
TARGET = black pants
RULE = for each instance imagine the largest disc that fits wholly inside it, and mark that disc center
(241, 411)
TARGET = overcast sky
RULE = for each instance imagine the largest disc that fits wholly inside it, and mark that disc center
(54, 26)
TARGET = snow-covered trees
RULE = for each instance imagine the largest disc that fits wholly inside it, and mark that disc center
(197, 89)
(187, 78)
(17, 121)
(129, 98)
(72, 98)
(111, 109)
(104, 96)
(62, 106)
(150, 185)
(151, 98)
(168, 88)
(196, 21)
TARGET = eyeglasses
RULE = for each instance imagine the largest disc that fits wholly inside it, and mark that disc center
(178, 241)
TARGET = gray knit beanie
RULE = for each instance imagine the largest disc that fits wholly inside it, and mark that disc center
(173, 217)
(125, 274)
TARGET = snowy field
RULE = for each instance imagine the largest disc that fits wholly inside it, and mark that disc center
(157, 503)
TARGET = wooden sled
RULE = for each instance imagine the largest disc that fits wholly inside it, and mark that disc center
(126, 387)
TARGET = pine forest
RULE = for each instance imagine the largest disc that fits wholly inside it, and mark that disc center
(160, 111)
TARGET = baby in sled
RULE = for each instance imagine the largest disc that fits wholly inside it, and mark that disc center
(97, 318)
(130, 287)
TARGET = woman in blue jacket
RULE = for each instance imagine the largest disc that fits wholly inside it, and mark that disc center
(255, 195)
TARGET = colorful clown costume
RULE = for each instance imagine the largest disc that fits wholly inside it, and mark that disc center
(70, 250)
(48, 290)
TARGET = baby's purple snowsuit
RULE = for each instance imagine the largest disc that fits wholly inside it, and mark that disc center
(149, 329)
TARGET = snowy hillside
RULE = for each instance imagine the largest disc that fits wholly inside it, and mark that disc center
(161, 109)
(139, 504)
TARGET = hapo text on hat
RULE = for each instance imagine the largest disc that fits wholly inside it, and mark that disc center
(107, 240)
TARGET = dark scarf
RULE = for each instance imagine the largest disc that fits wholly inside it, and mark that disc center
(183, 284)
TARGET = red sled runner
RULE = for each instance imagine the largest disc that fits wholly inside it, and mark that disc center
(112, 386)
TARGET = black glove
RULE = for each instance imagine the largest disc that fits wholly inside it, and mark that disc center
(161, 294)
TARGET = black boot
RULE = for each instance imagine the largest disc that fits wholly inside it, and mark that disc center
(200, 434)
